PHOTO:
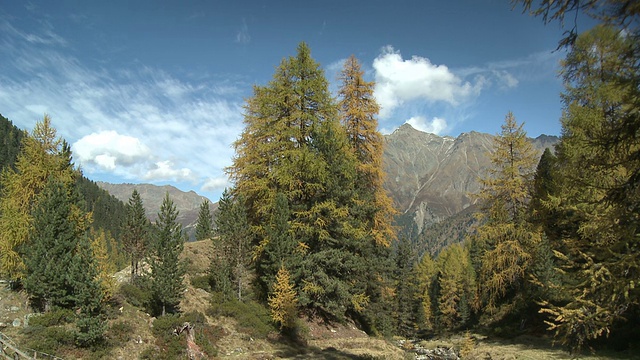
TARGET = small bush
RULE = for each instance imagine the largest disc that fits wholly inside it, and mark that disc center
(52, 318)
(136, 295)
(169, 345)
(201, 282)
(253, 317)
(48, 340)
(119, 333)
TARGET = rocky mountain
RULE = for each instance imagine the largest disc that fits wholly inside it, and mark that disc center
(187, 203)
(431, 177)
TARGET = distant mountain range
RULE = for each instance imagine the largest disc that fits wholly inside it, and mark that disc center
(187, 203)
(429, 177)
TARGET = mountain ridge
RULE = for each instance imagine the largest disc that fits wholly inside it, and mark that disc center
(431, 177)
(187, 202)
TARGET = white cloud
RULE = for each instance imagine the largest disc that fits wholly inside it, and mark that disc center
(506, 79)
(108, 149)
(165, 170)
(435, 126)
(399, 81)
(216, 184)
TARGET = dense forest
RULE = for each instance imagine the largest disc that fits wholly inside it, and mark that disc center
(307, 230)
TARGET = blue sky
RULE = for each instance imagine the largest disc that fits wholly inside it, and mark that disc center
(152, 91)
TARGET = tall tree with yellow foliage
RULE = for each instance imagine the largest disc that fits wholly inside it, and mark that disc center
(358, 110)
(504, 239)
(43, 155)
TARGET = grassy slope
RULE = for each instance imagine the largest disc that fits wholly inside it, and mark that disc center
(326, 341)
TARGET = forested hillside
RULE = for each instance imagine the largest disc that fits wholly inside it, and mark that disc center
(107, 212)
(10, 137)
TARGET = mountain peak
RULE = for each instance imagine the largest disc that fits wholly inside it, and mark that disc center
(404, 128)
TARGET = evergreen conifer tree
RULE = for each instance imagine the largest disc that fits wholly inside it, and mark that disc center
(50, 280)
(231, 256)
(61, 271)
(135, 233)
(204, 226)
(90, 294)
(406, 307)
(167, 270)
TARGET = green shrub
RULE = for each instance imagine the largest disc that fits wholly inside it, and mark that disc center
(119, 333)
(253, 317)
(136, 295)
(201, 282)
(48, 340)
(52, 318)
(168, 346)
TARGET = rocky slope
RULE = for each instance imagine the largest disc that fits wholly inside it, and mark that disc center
(430, 177)
(187, 203)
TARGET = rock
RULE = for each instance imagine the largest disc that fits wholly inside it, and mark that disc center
(16, 323)
(14, 309)
(3, 325)
(27, 318)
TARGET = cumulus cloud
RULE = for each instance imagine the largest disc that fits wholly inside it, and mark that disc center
(399, 81)
(108, 149)
(435, 126)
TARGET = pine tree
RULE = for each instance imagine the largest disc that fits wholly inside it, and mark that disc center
(42, 155)
(505, 239)
(167, 270)
(54, 240)
(358, 110)
(204, 226)
(279, 247)
(405, 289)
(456, 285)
(90, 295)
(425, 273)
(60, 264)
(283, 300)
(599, 166)
(370, 207)
(135, 233)
(231, 256)
(105, 263)
(544, 186)
(10, 139)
